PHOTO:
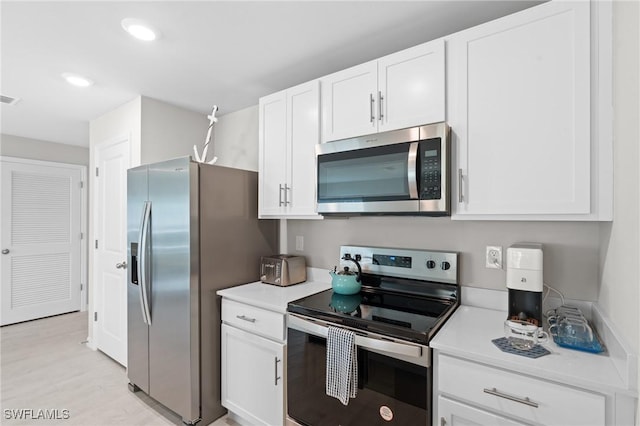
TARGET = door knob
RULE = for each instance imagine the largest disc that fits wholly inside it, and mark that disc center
(5, 251)
(122, 265)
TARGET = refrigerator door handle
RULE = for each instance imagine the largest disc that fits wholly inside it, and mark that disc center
(142, 264)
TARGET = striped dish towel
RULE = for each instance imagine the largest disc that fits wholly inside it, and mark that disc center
(342, 365)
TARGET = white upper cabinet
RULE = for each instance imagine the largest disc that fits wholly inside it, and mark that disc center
(520, 109)
(272, 156)
(288, 133)
(400, 90)
(411, 87)
(348, 102)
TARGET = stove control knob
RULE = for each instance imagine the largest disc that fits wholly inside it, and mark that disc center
(431, 264)
(445, 266)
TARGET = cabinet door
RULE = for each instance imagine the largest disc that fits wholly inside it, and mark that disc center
(519, 95)
(272, 155)
(517, 396)
(411, 87)
(349, 102)
(252, 374)
(453, 413)
(303, 134)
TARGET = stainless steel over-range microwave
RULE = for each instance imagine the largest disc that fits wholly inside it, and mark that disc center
(398, 172)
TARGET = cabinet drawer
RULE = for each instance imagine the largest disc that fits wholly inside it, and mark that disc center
(256, 320)
(507, 393)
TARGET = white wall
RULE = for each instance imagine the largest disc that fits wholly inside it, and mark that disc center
(619, 292)
(34, 149)
(570, 248)
(235, 139)
(168, 131)
(124, 120)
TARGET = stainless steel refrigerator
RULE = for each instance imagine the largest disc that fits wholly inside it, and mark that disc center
(192, 229)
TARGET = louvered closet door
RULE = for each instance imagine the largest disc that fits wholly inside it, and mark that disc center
(40, 241)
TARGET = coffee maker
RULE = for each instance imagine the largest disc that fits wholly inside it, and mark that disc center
(525, 283)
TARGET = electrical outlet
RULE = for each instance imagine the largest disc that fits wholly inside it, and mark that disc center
(494, 257)
(299, 243)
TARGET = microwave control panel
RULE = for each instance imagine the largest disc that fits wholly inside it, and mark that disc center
(431, 171)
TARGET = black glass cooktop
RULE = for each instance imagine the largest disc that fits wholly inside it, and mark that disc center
(381, 308)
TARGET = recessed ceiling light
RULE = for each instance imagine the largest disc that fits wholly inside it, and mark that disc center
(140, 29)
(76, 80)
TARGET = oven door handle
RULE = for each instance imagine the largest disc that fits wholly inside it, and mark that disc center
(321, 328)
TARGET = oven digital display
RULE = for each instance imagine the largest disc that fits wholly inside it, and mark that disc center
(397, 261)
(431, 153)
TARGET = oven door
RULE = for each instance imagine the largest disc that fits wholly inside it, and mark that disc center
(394, 380)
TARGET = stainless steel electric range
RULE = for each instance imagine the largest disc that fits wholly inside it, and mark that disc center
(406, 296)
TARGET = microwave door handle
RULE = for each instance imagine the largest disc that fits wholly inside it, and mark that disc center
(412, 161)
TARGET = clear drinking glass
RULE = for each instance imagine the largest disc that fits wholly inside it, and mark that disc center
(524, 335)
(572, 330)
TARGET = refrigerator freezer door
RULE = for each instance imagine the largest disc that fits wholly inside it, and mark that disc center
(174, 360)
(137, 330)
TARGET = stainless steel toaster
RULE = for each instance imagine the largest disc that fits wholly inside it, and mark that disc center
(283, 269)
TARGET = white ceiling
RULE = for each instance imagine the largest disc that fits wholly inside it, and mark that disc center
(228, 53)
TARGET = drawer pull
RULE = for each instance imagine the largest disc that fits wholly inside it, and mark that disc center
(244, 318)
(525, 401)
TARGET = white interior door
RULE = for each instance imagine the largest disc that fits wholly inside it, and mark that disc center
(110, 249)
(40, 239)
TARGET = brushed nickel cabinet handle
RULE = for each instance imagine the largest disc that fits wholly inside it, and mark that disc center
(276, 371)
(5, 251)
(380, 98)
(280, 203)
(286, 196)
(371, 113)
(245, 318)
(460, 186)
(525, 401)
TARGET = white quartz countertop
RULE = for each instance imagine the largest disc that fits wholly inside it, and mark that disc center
(271, 297)
(468, 334)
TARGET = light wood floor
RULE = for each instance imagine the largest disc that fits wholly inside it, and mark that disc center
(44, 365)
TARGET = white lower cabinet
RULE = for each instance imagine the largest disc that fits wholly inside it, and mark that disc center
(470, 393)
(453, 413)
(252, 366)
